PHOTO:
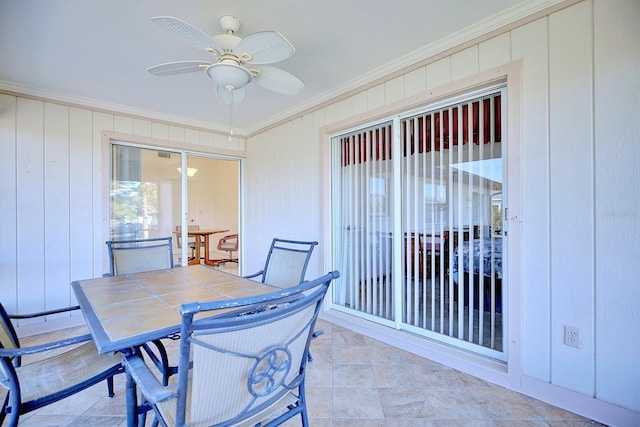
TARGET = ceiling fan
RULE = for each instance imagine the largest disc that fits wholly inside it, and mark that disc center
(238, 61)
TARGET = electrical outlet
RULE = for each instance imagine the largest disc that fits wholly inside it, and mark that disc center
(572, 336)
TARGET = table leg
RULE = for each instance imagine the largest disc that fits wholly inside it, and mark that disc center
(131, 398)
(206, 248)
(197, 260)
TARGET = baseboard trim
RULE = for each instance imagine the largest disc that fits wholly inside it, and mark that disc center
(581, 404)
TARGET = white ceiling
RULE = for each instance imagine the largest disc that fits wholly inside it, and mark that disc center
(96, 52)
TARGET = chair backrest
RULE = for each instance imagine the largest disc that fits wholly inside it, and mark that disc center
(245, 361)
(8, 336)
(178, 234)
(228, 243)
(287, 262)
(134, 256)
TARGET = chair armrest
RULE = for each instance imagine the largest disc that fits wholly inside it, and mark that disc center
(148, 384)
(44, 313)
(18, 352)
(254, 274)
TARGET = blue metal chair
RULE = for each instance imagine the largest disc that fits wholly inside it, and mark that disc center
(141, 255)
(47, 380)
(134, 256)
(286, 263)
(241, 361)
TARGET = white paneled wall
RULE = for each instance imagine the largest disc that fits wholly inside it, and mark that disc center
(55, 194)
(282, 177)
(576, 172)
(617, 201)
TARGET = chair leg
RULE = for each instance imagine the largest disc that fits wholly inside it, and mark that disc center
(110, 386)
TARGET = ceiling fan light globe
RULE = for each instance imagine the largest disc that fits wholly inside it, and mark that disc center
(229, 75)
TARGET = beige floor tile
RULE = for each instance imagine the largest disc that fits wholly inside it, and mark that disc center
(349, 422)
(36, 420)
(501, 404)
(319, 375)
(357, 402)
(353, 375)
(404, 402)
(319, 402)
(408, 422)
(454, 404)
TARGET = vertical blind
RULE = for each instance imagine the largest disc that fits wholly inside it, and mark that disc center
(366, 220)
(451, 175)
(450, 169)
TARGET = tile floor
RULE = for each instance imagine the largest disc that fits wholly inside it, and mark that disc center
(353, 381)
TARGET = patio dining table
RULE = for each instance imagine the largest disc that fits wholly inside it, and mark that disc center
(130, 310)
(123, 312)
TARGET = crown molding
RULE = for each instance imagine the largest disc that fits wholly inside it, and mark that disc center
(111, 108)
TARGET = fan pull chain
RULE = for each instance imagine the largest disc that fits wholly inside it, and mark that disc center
(230, 115)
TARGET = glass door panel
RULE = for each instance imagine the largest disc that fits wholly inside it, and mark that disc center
(145, 186)
(451, 215)
(364, 222)
(213, 191)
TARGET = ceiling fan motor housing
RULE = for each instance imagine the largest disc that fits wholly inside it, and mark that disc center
(230, 24)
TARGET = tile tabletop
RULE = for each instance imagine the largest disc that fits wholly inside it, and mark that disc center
(128, 310)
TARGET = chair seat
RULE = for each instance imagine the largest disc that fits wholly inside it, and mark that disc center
(228, 246)
(55, 374)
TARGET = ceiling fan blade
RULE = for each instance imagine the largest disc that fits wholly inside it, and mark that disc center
(179, 67)
(187, 33)
(265, 47)
(228, 97)
(278, 80)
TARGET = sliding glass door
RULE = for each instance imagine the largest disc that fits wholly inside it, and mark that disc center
(152, 195)
(418, 222)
